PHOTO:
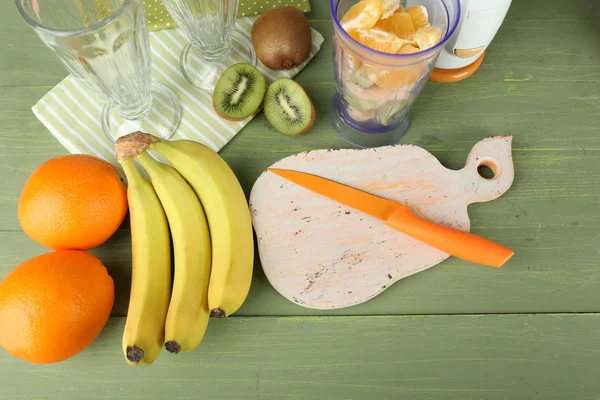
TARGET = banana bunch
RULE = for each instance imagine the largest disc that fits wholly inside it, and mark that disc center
(199, 205)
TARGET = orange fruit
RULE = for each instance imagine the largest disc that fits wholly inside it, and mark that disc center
(362, 15)
(400, 24)
(419, 16)
(398, 77)
(72, 202)
(428, 37)
(408, 49)
(390, 7)
(378, 40)
(53, 306)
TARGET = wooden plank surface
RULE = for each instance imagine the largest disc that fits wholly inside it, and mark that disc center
(507, 357)
(540, 82)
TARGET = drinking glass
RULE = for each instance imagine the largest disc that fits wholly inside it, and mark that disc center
(105, 44)
(376, 90)
(210, 26)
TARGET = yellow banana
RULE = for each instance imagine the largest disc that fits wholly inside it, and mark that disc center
(143, 337)
(228, 217)
(188, 314)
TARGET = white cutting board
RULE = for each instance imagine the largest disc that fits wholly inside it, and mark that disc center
(321, 254)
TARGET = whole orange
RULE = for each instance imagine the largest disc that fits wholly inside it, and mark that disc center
(73, 202)
(54, 305)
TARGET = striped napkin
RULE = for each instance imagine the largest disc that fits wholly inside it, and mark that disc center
(158, 17)
(72, 113)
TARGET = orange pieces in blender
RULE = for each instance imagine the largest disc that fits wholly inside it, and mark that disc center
(408, 49)
(379, 24)
(419, 16)
(396, 78)
(362, 15)
(428, 37)
(400, 24)
(378, 40)
(390, 7)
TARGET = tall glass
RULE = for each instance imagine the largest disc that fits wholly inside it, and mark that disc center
(210, 26)
(105, 44)
(376, 90)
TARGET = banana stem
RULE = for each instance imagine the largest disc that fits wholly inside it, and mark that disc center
(130, 146)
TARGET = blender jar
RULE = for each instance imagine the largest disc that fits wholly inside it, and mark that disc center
(376, 90)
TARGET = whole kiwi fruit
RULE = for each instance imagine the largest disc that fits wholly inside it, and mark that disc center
(281, 38)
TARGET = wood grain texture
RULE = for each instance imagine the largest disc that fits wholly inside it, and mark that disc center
(550, 216)
(510, 357)
(325, 255)
(540, 82)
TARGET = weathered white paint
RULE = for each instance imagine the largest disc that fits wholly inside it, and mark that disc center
(321, 254)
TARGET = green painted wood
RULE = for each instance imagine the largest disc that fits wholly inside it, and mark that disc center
(553, 47)
(540, 81)
(547, 275)
(443, 357)
(550, 216)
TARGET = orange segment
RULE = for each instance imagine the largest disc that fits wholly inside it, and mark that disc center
(362, 15)
(389, 7)
(397, 78)
(408, 49)
(419, 16)
(378, 40)
(428, 37)
(400, 24)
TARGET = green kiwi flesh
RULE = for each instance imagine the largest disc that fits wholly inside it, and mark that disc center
(288, 108)
(239, 92)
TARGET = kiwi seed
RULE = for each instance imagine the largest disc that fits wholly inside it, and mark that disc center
(239, 92)
(288, 108)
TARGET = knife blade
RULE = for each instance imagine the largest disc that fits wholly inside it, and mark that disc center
(461, 244)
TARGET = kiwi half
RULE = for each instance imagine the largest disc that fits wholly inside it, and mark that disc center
(239, 92)
(288, 108)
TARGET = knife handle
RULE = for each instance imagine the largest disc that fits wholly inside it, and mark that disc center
(464, 245)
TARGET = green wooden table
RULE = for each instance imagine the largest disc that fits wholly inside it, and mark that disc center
(456, 331)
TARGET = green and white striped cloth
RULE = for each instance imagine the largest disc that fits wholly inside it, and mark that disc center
(72, 113)
(158, 17)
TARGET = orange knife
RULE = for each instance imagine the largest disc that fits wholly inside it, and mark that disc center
(464, 245)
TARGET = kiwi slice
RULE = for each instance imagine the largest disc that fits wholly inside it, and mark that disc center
(288, 108)
(239, 92)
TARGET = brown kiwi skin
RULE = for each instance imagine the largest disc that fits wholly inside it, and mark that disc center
(282, 38)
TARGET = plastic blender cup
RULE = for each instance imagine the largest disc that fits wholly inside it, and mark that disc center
(376, 90)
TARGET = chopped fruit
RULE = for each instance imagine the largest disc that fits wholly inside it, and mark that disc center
(428, 37)
(389, 110)
(358, 115)
(378, 40)
(365, 99)
(400, 9)
(408, 49)
(349, 62)
(400, 24)
(360, 79)
(389, 7)
(419, 16)
(362, 15)
(396, 78)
